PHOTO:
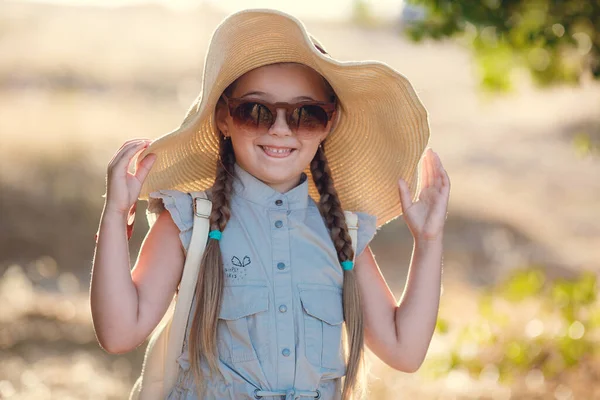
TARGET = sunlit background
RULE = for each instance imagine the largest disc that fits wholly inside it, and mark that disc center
(514, 103)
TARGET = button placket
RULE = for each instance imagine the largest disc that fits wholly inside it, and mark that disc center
(284, 321)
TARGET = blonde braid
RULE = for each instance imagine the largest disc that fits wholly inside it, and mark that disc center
(333, 214)
(209, 288)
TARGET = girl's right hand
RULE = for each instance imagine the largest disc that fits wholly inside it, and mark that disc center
(122, 187)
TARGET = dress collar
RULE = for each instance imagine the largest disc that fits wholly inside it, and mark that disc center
(253, 189)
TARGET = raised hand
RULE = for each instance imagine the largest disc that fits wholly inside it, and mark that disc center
(122, 187)
(426, 217)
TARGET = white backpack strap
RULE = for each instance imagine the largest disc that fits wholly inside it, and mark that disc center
(352, 223)
(202, 207)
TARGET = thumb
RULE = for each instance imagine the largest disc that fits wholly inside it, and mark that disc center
(144, 167)
(405, 197)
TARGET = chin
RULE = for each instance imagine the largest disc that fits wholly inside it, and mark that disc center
(277, 175)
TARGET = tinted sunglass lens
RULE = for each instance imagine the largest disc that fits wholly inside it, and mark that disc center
(309, 118)
(253, 115)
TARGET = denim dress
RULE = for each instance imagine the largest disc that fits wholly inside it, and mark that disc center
(279, 333)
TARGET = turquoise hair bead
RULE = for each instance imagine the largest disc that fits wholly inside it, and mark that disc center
(216, 234)
(347, 265)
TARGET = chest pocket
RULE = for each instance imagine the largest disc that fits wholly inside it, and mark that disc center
(243, 327)
(323, 318)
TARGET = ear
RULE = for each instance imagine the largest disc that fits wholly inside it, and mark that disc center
(221, 114)
(324, 135)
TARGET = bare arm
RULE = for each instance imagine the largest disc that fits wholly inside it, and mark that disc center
(128, 304)
(399, 333)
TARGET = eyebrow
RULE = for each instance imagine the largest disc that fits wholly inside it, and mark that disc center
(259, 93)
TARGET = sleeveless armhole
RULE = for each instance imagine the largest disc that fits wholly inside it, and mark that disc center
(179, 205)
(367, 227)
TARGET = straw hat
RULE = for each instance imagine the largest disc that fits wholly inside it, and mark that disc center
(380, 135)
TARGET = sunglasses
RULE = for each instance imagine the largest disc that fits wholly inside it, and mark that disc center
(256, 116)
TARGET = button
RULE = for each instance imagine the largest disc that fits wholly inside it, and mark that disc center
(286, 352)
(280, 266)
(278, 202)
(282, 308)
(278, 224)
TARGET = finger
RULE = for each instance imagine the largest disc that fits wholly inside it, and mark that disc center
(124, 159)
(139, 157)
(126, 144)
(429, 166)
(117, 156)
(440, 168)
(405, 195)
(135, 159)
(438, 181)
(445, 182)
(144, 167)
(424, 172)
(438, 172)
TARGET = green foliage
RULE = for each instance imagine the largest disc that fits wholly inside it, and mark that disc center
(557, 41)
(585, 146)
(524, 284)
(441, 326)
(560, 337)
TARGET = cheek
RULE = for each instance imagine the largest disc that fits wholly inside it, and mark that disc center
(309, 148)
(311, 144)
(241, 144)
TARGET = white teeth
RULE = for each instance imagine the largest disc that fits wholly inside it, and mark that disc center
(277, 150)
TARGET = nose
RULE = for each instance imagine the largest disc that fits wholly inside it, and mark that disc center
(280, 127)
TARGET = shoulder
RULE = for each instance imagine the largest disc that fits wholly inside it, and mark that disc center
(367, 227)
(179, 204)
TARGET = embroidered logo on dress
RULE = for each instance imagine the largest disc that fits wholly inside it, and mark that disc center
(238, 270)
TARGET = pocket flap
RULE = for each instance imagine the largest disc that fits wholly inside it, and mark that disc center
(323, 302)
(243, 300)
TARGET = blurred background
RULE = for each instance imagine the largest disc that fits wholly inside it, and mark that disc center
(513, 92)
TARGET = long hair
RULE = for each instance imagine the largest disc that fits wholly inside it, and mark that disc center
(335, 220)
(209, 288)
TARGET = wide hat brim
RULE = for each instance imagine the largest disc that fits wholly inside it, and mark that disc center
(380, 135)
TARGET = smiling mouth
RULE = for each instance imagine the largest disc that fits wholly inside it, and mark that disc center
(277, 152)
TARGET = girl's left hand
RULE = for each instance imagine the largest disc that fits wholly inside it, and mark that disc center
(426, 217)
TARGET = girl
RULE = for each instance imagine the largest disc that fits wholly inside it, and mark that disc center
(279, 276)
